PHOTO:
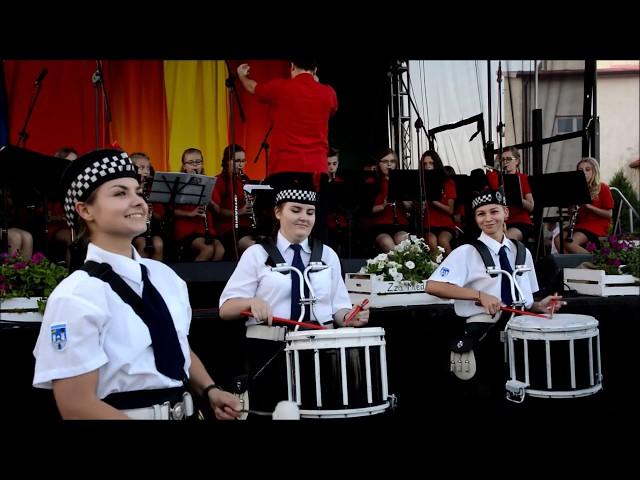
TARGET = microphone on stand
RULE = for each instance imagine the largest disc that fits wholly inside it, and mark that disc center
(43, 74)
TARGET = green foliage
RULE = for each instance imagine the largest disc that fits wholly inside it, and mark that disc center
(620, 182)
(35, 277)
(410, 260)
(633, 263)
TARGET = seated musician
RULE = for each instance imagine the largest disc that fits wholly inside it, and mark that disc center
(388, 223)
(193, 228)
(150, 243)
(222, 202)
(592, 220)
(438, 223)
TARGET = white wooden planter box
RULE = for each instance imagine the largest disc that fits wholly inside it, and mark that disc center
(387, 293)
(20, 309)
(596, 282)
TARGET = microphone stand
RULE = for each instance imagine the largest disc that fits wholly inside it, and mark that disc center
(23, 136)
(98, 81)
(419, 125)
(230, 84)
(500, 126)
(265, 145)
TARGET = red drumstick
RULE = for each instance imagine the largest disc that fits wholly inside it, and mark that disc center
(355, 312)
(524, 312)
(246, 313)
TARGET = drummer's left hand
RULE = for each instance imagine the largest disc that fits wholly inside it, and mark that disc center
(550, 304)
(361, 319)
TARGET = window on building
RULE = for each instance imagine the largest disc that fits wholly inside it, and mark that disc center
(568, 124)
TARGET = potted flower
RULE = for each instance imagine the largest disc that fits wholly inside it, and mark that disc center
(607, 274)
(613, 255)
(25, 285)
(403, 270)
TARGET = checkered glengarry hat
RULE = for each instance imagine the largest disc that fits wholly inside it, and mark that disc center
(298, 194)
(88, 172)
(487, 197)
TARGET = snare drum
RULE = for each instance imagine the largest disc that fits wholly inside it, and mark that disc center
(337, 373)
(553, 358)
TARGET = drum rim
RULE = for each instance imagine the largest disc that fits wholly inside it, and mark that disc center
(344, 332)
(551, 324)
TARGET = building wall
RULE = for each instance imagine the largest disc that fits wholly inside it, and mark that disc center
(619, 111)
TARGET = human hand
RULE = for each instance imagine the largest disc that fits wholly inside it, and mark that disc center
(358, 316)
(243, 70)
(490, 303)
(261, 310)
(225, 405)
(550, 304)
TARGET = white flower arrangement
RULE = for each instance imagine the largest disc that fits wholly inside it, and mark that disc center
(410, 260)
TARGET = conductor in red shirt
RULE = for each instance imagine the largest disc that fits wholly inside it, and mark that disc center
(300, 108)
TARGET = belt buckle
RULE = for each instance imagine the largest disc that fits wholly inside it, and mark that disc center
(176, 412)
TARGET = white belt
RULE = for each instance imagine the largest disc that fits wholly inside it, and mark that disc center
(264, 332)
(276, 334)
(180, 411)
(482, 318)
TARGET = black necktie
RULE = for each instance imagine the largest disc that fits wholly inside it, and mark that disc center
(164, 339)
(505, 286)
(295, 284)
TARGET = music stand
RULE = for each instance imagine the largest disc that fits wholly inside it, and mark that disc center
(560, 189)
(176, 188)
(43, 172)
(512, 189)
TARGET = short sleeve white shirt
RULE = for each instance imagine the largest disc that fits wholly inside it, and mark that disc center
(253, 278)
(103, 332)
(464, 267)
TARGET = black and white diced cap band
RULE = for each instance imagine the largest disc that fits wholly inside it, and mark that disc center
(93, 175)
(294, 195)
(488, 197)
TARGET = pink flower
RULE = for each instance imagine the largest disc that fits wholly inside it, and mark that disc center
(37, 257)
(591, 246)
(19, 265)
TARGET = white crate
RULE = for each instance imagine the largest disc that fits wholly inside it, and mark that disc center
(596, 282)
(387, 293)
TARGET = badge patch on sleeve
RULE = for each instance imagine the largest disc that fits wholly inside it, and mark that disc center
(444, 272)
(59, 336)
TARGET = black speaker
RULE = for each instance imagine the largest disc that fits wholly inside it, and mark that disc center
(549, 270)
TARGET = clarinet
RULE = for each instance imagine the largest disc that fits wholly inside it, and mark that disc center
(248, 198)
(146, 193)
(395, 213)
(572, 225)
(208, 240)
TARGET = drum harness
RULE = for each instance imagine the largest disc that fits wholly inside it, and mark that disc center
(276, 261)
(475, 332)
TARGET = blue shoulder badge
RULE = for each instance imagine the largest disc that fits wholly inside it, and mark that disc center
(444, 271)
(59, 336)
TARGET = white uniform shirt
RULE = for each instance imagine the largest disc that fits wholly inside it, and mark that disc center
(464, 267)
(252, 278)
(103, 332)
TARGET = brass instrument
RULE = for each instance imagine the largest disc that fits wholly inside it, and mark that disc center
(572, 224)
